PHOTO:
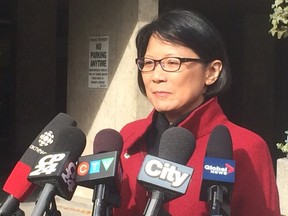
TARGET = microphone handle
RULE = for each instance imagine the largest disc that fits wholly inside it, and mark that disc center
(217, 202)
(100, 206)
(154, 205)
(19, 212)
(10, 205)
(44, 200)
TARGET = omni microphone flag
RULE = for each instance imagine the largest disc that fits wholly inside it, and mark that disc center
(17, 185)
(101, 171)
(166, 176)
(218, 172)
(56, 172)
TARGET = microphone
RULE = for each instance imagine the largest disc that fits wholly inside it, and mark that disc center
(56, 172)
(17, 185)
(218, 172)
(165, 177)
(101, 171)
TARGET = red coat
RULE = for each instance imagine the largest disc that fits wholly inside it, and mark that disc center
(255, 192)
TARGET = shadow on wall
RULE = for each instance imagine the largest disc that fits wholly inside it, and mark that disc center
(104, 106)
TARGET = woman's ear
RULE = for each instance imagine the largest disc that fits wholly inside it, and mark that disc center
(213, 71)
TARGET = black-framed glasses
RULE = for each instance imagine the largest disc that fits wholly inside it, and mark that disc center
(168, 64)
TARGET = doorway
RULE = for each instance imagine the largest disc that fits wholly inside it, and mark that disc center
(258, 97)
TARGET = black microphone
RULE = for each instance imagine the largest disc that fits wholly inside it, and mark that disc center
(17, 185)
(102, 172)
(56, 172)
(218, 172)
(165, 176)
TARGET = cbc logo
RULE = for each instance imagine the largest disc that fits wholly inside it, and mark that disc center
(46, 138)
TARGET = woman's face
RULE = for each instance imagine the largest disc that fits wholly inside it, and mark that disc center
(176, 93)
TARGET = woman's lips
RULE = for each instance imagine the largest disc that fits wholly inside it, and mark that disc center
(161, 93)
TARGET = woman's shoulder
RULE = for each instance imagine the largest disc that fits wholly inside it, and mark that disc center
(135, 128)
(244, 138)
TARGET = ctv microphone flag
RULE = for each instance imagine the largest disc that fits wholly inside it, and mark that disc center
(98, 169)
(102, 171)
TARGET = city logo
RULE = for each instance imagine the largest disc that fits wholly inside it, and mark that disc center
(166, 171)
(174, 178)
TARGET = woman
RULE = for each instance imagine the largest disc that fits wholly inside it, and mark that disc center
(182, 68)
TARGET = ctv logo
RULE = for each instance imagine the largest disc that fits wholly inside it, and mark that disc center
(94, 166)
(165, 171)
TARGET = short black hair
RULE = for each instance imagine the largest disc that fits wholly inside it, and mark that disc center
(192, 30)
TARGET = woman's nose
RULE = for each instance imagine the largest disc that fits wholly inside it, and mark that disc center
(159, 75)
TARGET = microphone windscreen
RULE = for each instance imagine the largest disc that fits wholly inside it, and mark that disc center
(107, 140)
(17, 184)
(56, 172)
(45, 141)
(220, 143)
(157, 174)
(58, 169)
(177, 145)
(71, 139)
(218, 165)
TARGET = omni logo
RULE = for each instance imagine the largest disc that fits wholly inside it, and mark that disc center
(46, 138)
(69, 176)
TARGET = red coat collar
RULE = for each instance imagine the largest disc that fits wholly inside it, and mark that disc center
(201, 121)
(204, 118)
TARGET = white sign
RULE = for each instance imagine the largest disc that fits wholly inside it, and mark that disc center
(98, 62)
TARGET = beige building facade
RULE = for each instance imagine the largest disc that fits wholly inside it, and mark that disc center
(121, 101)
